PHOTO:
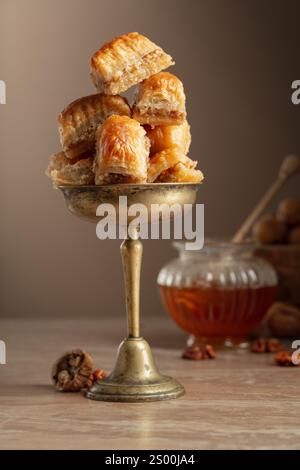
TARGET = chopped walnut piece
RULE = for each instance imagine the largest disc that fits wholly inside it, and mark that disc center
(196, 353)
(98, 374)
(259, 345)
(209, 352)
(262, 345)
(284, 358)
(273, 345)
(193, 352)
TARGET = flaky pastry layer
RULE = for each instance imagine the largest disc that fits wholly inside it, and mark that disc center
(164, 137)
(78, 122)
(126, 61)
(62, 170)
(164, 160)
(122, 151)
(160, 100)
(181, 173)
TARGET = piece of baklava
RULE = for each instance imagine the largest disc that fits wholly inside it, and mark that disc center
(165, 137)
(126, 61)
(181, 173)
(78, 122)
(122, 152)
(164, 160)
(160, 101)
(62, 170)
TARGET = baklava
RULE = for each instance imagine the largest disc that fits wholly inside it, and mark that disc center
(181, 173)
(165, 137)
(122, 152)
(160, 101)
(165, 160)
(63, 171)
(78, 122)
(126, 61)
(104, 141)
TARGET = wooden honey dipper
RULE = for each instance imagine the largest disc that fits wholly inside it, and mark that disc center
(289, 167)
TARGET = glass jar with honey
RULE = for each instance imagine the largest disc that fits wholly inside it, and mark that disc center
(219, 294)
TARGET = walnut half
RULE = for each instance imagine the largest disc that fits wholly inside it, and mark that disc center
(71, 372)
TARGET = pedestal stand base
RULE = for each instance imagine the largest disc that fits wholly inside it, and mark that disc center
(135, 377)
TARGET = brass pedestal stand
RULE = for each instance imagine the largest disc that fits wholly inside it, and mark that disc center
(135, 377)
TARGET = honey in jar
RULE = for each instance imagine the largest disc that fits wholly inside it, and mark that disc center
(220, 293)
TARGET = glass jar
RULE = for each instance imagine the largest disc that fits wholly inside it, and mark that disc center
(218, 294)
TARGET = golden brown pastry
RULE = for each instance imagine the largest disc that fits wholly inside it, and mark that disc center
(160, 101)
(65, 171)
(126, 61)
(122, 152)
(165, 137)
(78, 122)
(166, 159)
(181, 173)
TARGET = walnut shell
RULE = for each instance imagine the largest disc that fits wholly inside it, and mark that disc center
(269, 230)
(289, 211)
(284, 320)
(71, 372)
(294, 235)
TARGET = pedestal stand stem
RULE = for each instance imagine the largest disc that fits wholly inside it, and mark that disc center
(131, 252)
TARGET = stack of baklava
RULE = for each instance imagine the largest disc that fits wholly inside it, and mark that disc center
(106, 141)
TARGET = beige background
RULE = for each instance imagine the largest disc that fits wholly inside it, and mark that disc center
(237, 60)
